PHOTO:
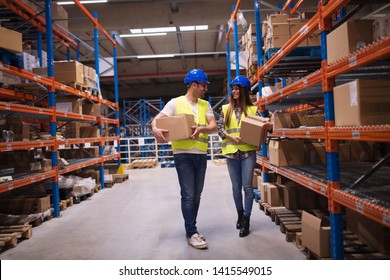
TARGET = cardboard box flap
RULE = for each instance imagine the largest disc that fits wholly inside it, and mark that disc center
(310, 219)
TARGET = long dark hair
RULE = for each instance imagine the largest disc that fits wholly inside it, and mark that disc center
(243, 100)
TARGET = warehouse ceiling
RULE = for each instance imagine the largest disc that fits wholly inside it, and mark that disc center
(157, 77)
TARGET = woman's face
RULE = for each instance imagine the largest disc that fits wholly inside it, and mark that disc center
(235, 92)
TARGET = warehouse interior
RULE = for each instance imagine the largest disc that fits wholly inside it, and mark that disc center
(79, 161)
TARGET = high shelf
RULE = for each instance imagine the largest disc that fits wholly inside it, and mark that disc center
(40, 105)
(331, 183)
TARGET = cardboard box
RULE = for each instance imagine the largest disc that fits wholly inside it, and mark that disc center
(295, 27)
(316, 234)
(69, 72)
(20, 129)
(24, 205)
(92, 109)
(253, 131)
(263, 188)
(348, 38)
(315, 153)
(314, 40)
(179, 127)
(362, 102)
(279, 29)
(273, 197)
(89, 132)
(277, 41)
(286, 153)
(277, 18)
(41, 71)
(281, 120)
(69, 104)
(11, 40)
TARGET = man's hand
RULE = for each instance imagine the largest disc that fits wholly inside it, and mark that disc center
(159, 135)
(195, 132)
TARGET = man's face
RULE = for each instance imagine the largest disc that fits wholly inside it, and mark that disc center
(201, 89)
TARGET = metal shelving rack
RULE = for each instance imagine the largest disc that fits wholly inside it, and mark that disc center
(329, 186)
(49, 112)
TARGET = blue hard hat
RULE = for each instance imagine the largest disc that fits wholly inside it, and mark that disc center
(197, 76)
(241, 81)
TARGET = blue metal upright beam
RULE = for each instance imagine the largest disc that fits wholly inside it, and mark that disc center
(235, 29)
(229, 70)
(39, 48)
(116, 92)
(52, 104)
(259, 46)
(96, 46)
(78, 49)
(333, 164)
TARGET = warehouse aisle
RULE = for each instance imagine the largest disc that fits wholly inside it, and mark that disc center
(140, 219)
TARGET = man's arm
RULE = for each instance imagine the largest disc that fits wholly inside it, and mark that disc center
(210, 128)
(159, 133)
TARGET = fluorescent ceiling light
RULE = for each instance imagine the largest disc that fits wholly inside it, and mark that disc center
(155, 56)
(82, 2)
(187, 28)
(159, 29)
(142, 35)
(201, 27)
(136, 31)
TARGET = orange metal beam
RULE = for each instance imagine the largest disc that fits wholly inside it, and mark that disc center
(78, 166)
(286, 5)
(10, 146)
(32, 178)
(368, 209)
(301, 84)
(233, 18)
(373, 133)
(296, 6)
(15, 95)
(377, 50)
(300, 179)
(39, 22)
(304, 107)
(295, 40)
(78, 141)
(5, 106)
(306, 133)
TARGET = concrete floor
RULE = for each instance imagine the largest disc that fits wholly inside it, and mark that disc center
(140, 219)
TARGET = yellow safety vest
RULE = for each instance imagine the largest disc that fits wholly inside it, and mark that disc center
(233, 128)
(184, 107)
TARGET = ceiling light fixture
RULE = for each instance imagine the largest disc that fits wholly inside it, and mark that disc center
(142, 34)
(155, 56)
(82, 2)
(159, 29)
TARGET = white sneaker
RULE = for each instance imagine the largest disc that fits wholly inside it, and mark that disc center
(197, 242)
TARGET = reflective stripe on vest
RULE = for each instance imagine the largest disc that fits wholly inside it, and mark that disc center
(233, 128)
(184, 107)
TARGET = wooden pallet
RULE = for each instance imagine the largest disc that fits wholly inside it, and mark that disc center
(144, 163)
(66, 203)
(353, 249)
(289, 221)
(9, 235)
(268, 209)
(120, 178)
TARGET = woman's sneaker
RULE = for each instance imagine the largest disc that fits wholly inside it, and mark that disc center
(197, 241)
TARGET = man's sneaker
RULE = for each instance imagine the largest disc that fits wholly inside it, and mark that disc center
(202, 237)
(197, 242)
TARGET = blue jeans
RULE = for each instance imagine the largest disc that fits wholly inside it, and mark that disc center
(191, 171)
(241, 175)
